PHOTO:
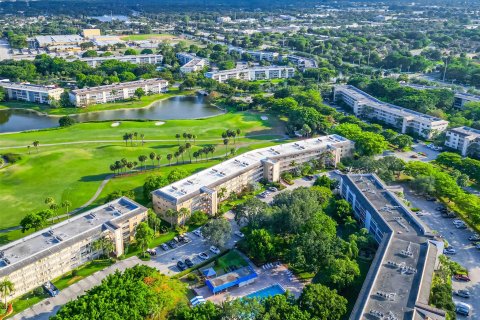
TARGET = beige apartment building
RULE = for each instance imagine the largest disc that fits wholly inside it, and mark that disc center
(190, 62)
(252, 74)
(364, 105)
(464, 139)
(116, 92)
(137, 59)
(49, 253)
(204, 190)
(31, 92)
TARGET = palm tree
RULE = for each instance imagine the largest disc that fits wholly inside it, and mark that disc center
(189, 136)
(194, 137)
(225, 143)
(124, 162)
(54, 207)
(113, 168)
(158, 157)
(170, 213)
(142, 158)
(238, 132)
(176, 154)
(233, 135)
(196, 154)
(178, 138)
(130, 136)
(28, 148)
(181, 151)
(142, 135)
(152, 157)
(130, 165)
(135, 134)
(185, 135)
(66, 204)
(183, 214)
(36, 143)
(169, 158)
(188, 146)
(126, 137)
(6, 288)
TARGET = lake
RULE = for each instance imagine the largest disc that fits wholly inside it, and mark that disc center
(180, 107)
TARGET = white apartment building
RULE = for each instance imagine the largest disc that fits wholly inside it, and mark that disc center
(49, 253)
(31, 93)
(55, 40)
(463, 139)
(252, 74)
(224, 19)
(201, 191)
(461, 98)
(407, 120)
(137, 59)
(257, 55)
(116, 92)
(301, 62)
(190, 62)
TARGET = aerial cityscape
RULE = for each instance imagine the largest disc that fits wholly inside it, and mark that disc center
(239, 160)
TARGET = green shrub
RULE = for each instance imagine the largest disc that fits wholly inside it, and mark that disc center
(12, 157)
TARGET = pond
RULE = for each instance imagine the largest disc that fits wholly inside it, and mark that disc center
(180, 107)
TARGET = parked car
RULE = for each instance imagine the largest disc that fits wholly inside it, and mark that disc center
(238, 233)
(463, 308)
(181, 265)
(309, 178)
(197, 232)
(183, 238)
(172, 244)
(414, 156)
(203, 255)
(189, 263)
(272, 189)
(164, 246)
(461, 277)
(214, 249)
(474, 237)
(449, 250)
(462, 293)
(152, 252)
(461, 226)
(431, 199)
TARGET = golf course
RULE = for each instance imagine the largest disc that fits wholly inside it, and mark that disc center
(72, 163)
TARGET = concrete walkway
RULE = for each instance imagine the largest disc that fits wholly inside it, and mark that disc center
(49, 307)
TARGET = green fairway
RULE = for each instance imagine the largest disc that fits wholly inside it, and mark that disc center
(74, 169)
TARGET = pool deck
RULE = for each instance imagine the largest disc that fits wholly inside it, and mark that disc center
(266, 278)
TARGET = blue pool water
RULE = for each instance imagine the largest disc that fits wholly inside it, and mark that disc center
(267, 292)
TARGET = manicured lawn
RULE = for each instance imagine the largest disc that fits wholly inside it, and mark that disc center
(74, 172)
(26, 301)
(140, 37)
(81, 273)
(232, 258)
(143, 102)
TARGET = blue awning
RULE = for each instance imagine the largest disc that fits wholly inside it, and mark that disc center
(210, 272)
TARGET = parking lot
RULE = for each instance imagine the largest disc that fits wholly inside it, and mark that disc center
(419, 152)
(466, 253)
(300, 182)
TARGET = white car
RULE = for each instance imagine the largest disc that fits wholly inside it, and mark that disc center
(449, 250)
(238, 233)
(214, 249)
(457, 221)
(197, 232)
(203, 256)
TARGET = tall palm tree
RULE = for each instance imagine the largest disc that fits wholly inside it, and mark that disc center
(135, 134)
(225, 143)
(169, 158)
(185, 135)
(189, 136)
(130, 165)
(188, 146)
(196, 155)
(124, 163)
(113, 168)
(66, 204)
(142, 158)
(181, 151)
(170, 214)
(130, 136)
(152, 156)
(176, 154)
(194, 137)
(142, 135)
(28, 148)
(126, 137)
(158, 157)
(36, 143)
(178, 138)
(6, 288)
(54, 207)
(183, 214)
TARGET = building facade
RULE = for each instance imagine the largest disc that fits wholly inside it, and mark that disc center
(461, 98)
(137, 59)
(257, 55)
(464, 139)
(301, 62)
(49, 253)
(204, 190)
(252, 74)
(116, 92)
(398, 283)
(407, 121)
(190, 62)
(31, 93)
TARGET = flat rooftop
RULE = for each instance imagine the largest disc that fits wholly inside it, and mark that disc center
(251, 69)
(467, 96)
(122, 85)
(396, 284)
(121, 57)
(364, 98)
(191, 186)
(58, 236)
(231, 276)
(27, 86)
(466, 131)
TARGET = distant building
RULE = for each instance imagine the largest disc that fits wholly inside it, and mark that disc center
(201, 191)
(223, 19)
(116, 92)
(49, 253)
(257, 55)
(399, 281)
(90, 33)
(31, 92)
(406, 120)
(301, 62)
(464, 139)
(190, 62)
(142, 58)
(55, 40)
(461, 98)
(252, 74)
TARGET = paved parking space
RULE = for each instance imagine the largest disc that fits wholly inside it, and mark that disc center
(466, 254)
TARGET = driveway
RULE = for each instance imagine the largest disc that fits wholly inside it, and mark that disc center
(416, 148)
(467, 255)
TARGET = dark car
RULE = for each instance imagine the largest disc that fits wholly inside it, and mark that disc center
(189, 263)
(431, 199)
(474, 237)
(182, 266)
(309, 178)
(164, 246)
(462, 277)
(172, 244)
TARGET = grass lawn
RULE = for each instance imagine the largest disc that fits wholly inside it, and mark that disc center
(140, 37)
(26, 301)
(143, 102)
(81, 273)
(74, 171)
(232, 258)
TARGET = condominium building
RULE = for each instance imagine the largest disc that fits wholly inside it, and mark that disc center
(190, 62)
(142, 58)
(461, 98)
(116, 92)
(251, 74)
(203, 191)
(464, 139)
(398, 283)
(49, 253)
(31, 93)
(257, 55)
(408, 121)
(301, 62)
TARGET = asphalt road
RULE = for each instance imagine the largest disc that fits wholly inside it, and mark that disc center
(466, 254)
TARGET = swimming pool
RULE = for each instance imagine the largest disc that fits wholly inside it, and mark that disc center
(267, 292)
